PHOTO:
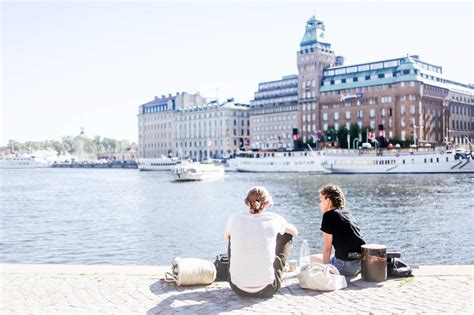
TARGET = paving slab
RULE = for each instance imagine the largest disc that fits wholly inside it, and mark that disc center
(80, 289)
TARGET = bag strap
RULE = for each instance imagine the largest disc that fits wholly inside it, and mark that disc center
(333, 269)
(169, 278)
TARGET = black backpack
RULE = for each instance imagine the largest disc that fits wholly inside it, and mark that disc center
(222, 267)
(397, 268)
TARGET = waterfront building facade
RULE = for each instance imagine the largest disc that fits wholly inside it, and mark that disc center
(274, 114)
(408, 97)
(155, 123)
(459, 118)
(211, 130)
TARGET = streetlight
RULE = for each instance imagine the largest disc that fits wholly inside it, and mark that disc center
(356, 140)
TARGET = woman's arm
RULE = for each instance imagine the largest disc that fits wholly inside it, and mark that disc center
(291, 229)
(327, 247)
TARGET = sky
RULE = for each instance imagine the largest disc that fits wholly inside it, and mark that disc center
(72, 64)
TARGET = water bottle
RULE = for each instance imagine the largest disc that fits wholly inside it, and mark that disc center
(304, 253)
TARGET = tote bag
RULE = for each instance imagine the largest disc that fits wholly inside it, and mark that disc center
(191, 271)
(321, 277)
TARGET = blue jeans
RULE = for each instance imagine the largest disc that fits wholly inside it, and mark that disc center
(346, 268)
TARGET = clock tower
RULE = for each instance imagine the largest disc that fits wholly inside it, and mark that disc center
(313, 57)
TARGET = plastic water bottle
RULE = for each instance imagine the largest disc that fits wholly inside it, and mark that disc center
(304, 253)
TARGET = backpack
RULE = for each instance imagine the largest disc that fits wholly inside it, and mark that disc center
(397, 268)
(222, 267)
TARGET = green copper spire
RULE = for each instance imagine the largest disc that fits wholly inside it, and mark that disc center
(314, 35)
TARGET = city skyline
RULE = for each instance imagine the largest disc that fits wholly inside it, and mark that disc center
(107, 58)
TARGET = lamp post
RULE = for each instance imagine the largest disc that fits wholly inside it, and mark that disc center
(356, 140)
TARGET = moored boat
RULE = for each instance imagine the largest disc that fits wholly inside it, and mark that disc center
(37, 159)
(195, 171)
(157, 164)
(279, 161)
(396, 162)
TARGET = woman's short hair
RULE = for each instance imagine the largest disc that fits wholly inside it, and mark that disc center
(258, 198)
(335, 194)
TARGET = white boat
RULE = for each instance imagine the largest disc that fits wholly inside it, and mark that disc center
(38, 159)
(393, 162)
(157, 164)
(193, 171)
(276, 161)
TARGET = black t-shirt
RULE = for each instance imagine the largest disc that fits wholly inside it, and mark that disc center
(346, 237)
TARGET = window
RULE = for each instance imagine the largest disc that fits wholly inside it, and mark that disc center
(402, 110)
(325, 116)
(343, 81)
(336, 115)
(348, 115)
(372, 113)
(381, 75)
(412, 109)
(402, 122)
(382, 112)
(360, 114)
(355, 79)
(367, 77)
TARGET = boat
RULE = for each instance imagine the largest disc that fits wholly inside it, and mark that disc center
(195, 171)
(278, 161)
(37, 159)
(157, 164)
(397, 161)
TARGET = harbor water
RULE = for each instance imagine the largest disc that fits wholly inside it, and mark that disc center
(127, 217)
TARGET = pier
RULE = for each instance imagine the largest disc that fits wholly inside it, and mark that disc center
(77, 289)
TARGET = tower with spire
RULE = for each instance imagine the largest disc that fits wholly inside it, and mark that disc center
(315, 54)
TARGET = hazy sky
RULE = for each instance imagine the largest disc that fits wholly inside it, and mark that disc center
(71, 64)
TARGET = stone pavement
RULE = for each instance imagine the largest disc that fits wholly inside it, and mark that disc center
(54, 289)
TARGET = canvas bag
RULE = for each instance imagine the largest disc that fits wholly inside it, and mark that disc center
(321, 277)
(191, 271)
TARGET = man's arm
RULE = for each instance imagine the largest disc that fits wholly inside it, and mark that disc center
(327, 247)
(226, 236)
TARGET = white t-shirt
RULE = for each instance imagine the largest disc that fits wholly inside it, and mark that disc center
(253, 241)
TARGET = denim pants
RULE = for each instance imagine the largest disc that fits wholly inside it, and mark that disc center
(346, 268)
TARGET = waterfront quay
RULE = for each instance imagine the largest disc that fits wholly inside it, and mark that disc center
(81, 289)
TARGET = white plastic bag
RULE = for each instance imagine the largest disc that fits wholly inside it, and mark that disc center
(321, 277)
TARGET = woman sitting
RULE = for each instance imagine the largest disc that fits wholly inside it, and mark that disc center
(339, 230)
(259, 245)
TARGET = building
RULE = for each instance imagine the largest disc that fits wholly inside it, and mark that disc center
(156, 119)
(408, 97)
(211, 130)
(459, 118)
(274, 113)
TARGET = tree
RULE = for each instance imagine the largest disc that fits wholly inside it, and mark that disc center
(354, 131)
(342, 137)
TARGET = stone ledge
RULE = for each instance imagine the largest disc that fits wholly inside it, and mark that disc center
(420, 271)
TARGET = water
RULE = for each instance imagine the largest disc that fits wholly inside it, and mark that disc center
(115, 216)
